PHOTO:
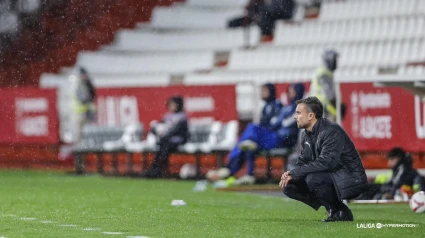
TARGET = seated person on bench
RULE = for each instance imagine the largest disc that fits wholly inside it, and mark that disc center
(404, 178)
(277, 129)
(172, 131)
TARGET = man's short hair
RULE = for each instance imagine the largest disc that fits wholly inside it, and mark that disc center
(313, 104)
(396, 152)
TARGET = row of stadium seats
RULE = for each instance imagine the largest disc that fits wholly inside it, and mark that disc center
(218, 40)
(224, 76)
(367, 8)
(183, 17)
(391, 52)
(217, 3)
(216, 137)
(110, 80)
(350, 30)
(378, 53)
(261, 76)
(309, 32)
(116, 63)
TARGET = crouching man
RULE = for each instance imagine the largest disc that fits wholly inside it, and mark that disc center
(329, 168)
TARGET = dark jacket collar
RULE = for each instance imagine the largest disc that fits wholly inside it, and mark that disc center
(316, 128)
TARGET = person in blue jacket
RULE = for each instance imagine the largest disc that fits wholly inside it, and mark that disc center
(277, 129)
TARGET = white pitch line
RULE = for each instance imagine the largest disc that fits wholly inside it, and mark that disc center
(68, 225)
(112, 233)
(28, 218)
(91, 229)
(47, 222)
(8, 215)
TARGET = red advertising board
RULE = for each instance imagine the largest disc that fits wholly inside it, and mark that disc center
(379, 118)
(28, 116)
(120, 106)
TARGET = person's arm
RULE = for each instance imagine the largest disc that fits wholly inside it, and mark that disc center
(270, 110)
(328, 91)
(92, 90)
(178, 129)
(301, 159)
(284, 118)
(329, 158)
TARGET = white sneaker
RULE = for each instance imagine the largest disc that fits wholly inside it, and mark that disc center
(248, 145)
(215, 175)
(245, 180)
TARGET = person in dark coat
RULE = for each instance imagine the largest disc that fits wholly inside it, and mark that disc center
(265, 13)
(273, 10)
(84, 102)
(277, 129)
(172, 131)
(329, 168)
(252, 14)
(403, 173)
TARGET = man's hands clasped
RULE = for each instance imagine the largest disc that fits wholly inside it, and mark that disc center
(284, 180)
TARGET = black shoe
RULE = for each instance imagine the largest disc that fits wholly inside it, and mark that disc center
(345, 215)
(338, 216)
(331, 215)
(153, 173)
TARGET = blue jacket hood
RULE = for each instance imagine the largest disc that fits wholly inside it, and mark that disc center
(272, 91)
(299, 89)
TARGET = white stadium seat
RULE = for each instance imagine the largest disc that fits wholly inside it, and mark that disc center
(368, 8)
(192, 18)
(219, 40)
(111, 81)
(393, 52)
(350, 30)
(217, 3)
(101, 62)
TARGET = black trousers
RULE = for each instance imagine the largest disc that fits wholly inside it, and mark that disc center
(160, 161)
(316, 190)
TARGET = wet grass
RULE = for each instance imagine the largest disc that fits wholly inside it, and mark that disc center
(38, 204)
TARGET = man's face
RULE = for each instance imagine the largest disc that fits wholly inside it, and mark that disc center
(172, 106)
(302, 116)
(392, 162)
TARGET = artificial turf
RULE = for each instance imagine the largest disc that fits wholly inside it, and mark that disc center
(54, 204)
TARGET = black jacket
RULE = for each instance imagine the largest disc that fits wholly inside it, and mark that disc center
(177, 131)
(328, 148)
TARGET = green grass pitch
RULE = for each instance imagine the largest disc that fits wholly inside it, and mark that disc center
(42, 204)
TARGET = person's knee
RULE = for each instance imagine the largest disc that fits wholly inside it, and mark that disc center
(315, 180)
(289, 190)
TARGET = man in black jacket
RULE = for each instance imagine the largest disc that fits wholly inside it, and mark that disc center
(329, 168)
(172, 131)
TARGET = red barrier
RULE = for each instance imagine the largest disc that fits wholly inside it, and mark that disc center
(28, 116)
(119, 106)
(379, 118)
